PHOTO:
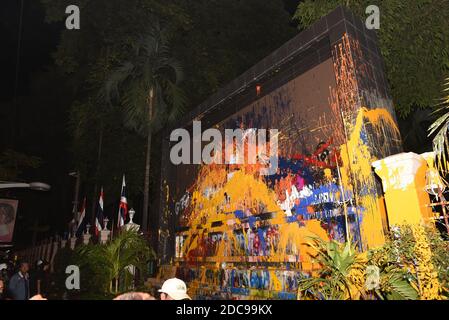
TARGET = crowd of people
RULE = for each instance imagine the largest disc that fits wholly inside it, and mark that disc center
(22, 283)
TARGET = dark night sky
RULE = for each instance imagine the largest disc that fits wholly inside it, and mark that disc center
(38, 41)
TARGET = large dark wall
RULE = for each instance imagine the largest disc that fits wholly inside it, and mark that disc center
(325, 92)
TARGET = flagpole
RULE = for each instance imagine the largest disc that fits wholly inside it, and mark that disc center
(112, 229)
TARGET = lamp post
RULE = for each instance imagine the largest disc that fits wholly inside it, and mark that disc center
(38, 186)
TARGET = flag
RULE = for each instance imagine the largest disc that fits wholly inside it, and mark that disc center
(123, 208)
(99, 217)
(82, 220)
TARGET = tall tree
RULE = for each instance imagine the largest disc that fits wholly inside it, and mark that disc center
(86, 56)
(214, 40)
(147, 86)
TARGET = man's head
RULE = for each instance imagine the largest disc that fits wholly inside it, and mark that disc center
(134, 296)
(24, 267)
(174, 289)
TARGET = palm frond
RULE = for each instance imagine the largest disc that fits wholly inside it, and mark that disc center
(110, 91)
(177, 99)
(150, 67)
(337, 262)
(400, 288)
(440, 127)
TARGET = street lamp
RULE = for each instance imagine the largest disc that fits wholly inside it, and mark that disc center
(38, 186)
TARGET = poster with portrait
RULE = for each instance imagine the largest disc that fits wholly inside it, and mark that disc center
(8, 210)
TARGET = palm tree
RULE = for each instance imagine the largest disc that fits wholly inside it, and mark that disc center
(440, 141)
(111, 261)
(147, 86)
(341, 269)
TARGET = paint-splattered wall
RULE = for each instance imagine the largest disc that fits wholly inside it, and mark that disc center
(237, 233)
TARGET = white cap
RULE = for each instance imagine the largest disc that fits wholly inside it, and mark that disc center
(175, 288)
(3, 266)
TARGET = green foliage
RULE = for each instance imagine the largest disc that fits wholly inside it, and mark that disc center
(386, 272)
(413, 39)
(103, 268)
(440, 258)
(440, 128)
(397, 282)
(12, 163)
(215, 41)
(149, 71)
(338, 264)
(107, 264)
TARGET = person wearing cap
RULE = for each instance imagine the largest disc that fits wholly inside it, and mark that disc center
(174, 289)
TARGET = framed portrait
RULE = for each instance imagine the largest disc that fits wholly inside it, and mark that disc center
(8, 211)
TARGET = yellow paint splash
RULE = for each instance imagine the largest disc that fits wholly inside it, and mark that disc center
(246, 190)
(357, 174)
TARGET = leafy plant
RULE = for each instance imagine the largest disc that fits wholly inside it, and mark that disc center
(441, 127)
(396, 281)
(104, 269)
(408, 261)
(110, 263)
(440, 258)
(341, 272)
(147, 85)
(345, 273)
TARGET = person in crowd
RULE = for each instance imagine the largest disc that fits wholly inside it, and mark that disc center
(134, 296)
(2, 289)
(4, 271)
(38, 297)
(19, 285)
(174, 289)
(40, 279)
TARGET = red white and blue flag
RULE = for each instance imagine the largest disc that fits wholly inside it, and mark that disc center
(99, 218)
(123, 208)
(81, 220)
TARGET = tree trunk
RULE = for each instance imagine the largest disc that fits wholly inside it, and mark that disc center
(95, 193)
(146, 186)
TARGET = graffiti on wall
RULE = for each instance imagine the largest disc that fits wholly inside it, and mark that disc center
(246, 235)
